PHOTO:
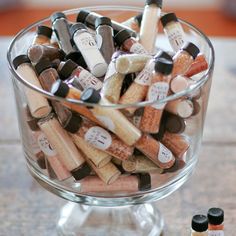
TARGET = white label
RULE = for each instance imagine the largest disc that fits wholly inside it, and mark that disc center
(106, 121)
(145, 76)
(138, 48)
(164, 155)
(111, 70)
(87, 80)
(45, 146)
(98, 137)
(176, 36)
(158, 91)
(215, 233)
(85, 41)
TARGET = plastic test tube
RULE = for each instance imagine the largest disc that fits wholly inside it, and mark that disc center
(89, 49)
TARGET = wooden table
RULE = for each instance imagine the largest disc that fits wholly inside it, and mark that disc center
(27, 209)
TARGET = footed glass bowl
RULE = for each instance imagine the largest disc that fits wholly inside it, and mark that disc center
(130, 210)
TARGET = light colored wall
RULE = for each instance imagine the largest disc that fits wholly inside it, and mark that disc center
(167, 3)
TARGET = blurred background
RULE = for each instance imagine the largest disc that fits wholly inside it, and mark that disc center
(214, 17)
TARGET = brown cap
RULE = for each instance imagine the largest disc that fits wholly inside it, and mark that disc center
(81, 172)
(144, 182)
(73, 123)
(174, 124)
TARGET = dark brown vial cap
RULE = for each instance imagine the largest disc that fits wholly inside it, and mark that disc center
(144, 182)
(21, 59)
(82, 16)
(191, 48)
(121, 36)
(215, 216)
(168, 18)
(44, 30)
(73, 123)
(163, 66)
(174, 124)
(90, 95)
(81, 172)
(67, 69)
(199, 223)
(57, 15)
(102, 21)
(42, 65)
(60, 89)
(157, 2)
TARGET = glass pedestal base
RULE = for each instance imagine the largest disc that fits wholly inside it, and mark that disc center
(138, 220)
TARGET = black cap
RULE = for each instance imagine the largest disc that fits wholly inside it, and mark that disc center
(139, 18)
(121, 36)
(163, 66)
(163, 54)
(199, 223)
(191, 48)
(59, 88)
(44, 30)
(215, 216)
(77, 58)
(81, 172)
(67, 69)
(90, 95)
(144, 183)
(42, 65)
(21, 59)
(73, 123)
(175, 124)
(102, 21)
(57, 15)
(157, 2)
(82, 16)
(168, 18)
(77, 26)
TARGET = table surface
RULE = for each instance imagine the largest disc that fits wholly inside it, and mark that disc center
(27, 209)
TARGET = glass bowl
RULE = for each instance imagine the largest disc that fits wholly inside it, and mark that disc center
(137, 215)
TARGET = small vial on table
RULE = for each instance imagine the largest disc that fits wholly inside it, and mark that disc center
(125, 40)
(69, 155)
(215, 222)
(199, 226)
(64, 90)
(139, 88)
(112, 119)
(38, 105)
(158, 90)
(78, 76)
(101, 139)
(113, 81)
(38, 52)
(134, 22)
(155, 151)
(89, 49)
(104, 36)
(176, 143)
(149, 24)
(173, 31)
(88, 18)
(130, 63)
(43, 35)
(184, 58)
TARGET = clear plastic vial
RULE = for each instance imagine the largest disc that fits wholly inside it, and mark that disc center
(173, 30)
(89, 49)
(199, 225)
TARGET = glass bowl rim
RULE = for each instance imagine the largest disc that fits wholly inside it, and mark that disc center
(49, 95)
